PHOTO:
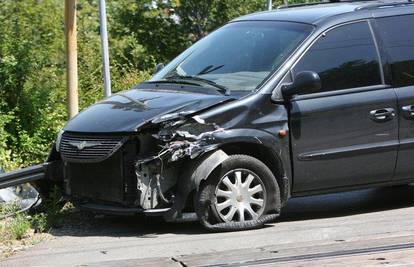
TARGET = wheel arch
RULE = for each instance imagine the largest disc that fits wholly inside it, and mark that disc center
(257, 144)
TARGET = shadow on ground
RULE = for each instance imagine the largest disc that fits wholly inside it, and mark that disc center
(303, 208)
(348, 203)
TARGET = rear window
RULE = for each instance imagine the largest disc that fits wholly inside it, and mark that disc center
(397, 34)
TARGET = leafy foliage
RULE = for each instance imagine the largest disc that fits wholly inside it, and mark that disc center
(32, 58)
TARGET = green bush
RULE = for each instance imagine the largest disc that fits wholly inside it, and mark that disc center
(39, 223)
(19, 226)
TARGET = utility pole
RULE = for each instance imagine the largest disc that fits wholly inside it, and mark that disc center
(71, 58)
(269, 5)
(105, 49)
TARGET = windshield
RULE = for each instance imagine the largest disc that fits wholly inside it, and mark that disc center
(238, 56)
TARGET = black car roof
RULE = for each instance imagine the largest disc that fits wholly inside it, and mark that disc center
(316, 13)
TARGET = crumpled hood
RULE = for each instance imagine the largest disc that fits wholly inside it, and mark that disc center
(127, 111)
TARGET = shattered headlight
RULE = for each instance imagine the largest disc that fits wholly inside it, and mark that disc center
(195, 131)
(188, 138)
(198, 129)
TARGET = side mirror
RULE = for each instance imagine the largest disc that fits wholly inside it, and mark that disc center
(159, 67)
(305, 81)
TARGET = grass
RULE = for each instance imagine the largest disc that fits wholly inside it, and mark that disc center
(9, 208)
(19, 226)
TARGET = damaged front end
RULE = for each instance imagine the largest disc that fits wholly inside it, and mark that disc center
(133, 159)
(123, 175)
(184, 144)
(145, 158)
(147, 172)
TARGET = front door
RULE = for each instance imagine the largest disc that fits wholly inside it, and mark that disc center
(347, 134)
(398, 41)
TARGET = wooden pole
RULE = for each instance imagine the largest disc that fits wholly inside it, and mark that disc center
(71, 58)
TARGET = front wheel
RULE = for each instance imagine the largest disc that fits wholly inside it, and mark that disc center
(238, 195)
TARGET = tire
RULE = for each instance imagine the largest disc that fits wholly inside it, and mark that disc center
(222, 201)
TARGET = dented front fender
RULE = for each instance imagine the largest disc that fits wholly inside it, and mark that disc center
(196, 171)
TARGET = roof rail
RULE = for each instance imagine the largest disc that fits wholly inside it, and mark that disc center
(303, 4)
(348, 1)
(389, 4)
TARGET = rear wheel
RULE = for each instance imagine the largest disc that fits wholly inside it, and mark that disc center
(239, 193)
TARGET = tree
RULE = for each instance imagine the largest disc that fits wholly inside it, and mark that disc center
(198, 18)
(166, 28)
(32, 61)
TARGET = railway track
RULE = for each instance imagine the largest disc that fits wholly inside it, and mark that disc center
(319, 256)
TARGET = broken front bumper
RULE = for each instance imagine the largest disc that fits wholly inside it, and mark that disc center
(120, 210)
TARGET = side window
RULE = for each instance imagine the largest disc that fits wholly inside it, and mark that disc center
(345, 57)
(398, 38)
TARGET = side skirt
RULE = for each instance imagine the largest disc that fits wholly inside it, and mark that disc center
(351, 188)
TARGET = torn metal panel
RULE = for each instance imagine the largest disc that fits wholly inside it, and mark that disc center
(191, 138)
(183, 140)
(154, 180)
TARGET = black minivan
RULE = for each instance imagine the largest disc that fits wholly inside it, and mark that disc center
(306, 99)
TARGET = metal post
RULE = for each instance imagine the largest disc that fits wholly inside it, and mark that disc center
(105, 50)
(71, 58)
(269, 5)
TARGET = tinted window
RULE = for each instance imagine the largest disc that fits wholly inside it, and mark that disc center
(346, 57)
(398, 37)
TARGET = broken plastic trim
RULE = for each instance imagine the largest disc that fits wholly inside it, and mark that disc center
(24, 196)
(191, 137)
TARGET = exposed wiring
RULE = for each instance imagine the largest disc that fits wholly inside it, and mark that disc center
(163, 198)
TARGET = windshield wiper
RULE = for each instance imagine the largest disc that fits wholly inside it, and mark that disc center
(174, 81)
(223, 89)
(209, 69)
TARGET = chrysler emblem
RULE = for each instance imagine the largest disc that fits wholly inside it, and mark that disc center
(80, 145)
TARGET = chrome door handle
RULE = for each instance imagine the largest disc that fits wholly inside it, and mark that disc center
(382, 115)
(408, 112)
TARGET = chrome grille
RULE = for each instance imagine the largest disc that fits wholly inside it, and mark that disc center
(83, 148)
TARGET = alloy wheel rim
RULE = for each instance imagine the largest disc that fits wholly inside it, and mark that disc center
(240, 196)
